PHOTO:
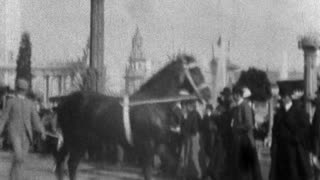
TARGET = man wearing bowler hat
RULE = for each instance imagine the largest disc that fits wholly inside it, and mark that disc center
(20, 115)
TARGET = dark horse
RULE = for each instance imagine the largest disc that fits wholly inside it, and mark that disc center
(84, 115)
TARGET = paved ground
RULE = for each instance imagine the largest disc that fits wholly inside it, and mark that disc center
(41, 168)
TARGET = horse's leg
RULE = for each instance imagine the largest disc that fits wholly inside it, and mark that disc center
(60, 158)
(147, 158)
(76, 154)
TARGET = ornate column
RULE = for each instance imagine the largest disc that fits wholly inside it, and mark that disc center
(72, 81)
(310, 45)
(47, 81)
(59, 85)
(63, 84)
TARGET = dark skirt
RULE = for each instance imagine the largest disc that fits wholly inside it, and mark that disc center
(289, 161)
(246, 159)
(217, 159)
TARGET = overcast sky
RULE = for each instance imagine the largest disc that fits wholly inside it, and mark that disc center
(260, 31)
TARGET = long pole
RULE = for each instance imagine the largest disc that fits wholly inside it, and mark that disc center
(97, 44)
(310, 45)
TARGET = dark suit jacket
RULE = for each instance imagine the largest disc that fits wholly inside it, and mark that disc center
(246, 159)
(20, 115)
(315, 129)
(242, 116)
(191, 125)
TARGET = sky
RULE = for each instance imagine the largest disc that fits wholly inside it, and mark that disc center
(260, 31)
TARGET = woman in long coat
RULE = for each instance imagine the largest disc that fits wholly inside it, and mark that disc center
(289, 152)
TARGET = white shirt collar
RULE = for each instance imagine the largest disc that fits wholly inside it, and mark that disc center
(288, 106)
(240, 101)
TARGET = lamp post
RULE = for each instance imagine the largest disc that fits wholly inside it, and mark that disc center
(310, 45)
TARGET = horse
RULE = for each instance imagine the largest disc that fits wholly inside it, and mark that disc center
(83, 115)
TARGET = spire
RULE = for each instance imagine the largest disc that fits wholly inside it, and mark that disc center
(284, 67)
(212, 47)
(219, 42)
(137, 38)
(138, 67)
(137, 33)
(137, 44)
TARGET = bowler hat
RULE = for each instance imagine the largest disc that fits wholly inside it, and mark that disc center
(22, 84)
(226, 91)
(285, 91)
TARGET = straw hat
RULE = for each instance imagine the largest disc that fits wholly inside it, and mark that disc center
(246, 92)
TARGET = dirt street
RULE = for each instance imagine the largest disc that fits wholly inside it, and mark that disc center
(41, 168)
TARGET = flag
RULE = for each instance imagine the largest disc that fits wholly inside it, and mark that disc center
(219, 41)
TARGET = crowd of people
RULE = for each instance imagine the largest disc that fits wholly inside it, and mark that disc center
(222, 145)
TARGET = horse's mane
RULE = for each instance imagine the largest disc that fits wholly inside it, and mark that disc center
(166, 81)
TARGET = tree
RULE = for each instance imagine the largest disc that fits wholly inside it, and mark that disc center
(23, 69)
(258, 83)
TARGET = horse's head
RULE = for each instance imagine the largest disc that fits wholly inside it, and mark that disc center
(180, 73)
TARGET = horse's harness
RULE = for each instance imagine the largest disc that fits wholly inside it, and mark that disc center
(126, 103)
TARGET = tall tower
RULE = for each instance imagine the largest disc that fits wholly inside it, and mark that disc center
(136, 69)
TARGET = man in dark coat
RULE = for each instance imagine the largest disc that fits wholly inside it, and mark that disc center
(175, 128)
(205, 127)
(223, 120)
(20, 115)
(213, 145)
(170, 154)
(205, 136)
(246, 159)
(289, 154)
(315, 135)
(191, 144)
